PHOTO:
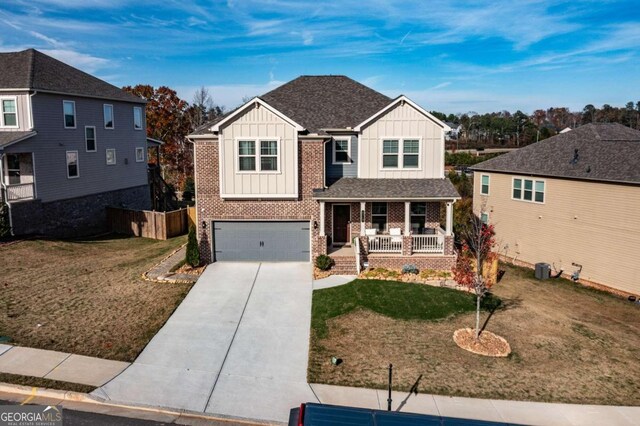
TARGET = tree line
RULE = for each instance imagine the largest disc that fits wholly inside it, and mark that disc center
(504, 128)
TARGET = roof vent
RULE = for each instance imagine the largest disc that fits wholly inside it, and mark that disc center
(576, 156)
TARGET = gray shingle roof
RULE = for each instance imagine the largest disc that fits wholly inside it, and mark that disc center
(387, 189)
(605, 152)
(9, 138)
(321, 102)
(30, 69)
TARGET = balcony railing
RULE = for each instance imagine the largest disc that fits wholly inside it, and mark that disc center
(428, 243)
(385, 244)
(20, 191)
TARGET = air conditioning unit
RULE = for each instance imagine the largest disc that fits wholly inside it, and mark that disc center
(543, 271)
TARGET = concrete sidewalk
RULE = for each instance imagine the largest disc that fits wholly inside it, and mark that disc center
(514, 412)
(60, 366)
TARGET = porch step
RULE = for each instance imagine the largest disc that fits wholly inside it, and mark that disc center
(344, 265)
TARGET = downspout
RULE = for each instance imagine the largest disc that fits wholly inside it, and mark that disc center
(3, 189)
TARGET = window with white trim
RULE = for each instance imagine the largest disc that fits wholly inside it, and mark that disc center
(246, 156)
(390, 150)
(528, 190)
(258, 155)
(111, 156)
(139, 154)
(484, 184)
(341, 150)
(268, 156)
(9, 116)
(73, 171)
(90, 138)
(401, 153)
(418, 217)
(108, 116)
(379, 216)
(410, 153)
(137, 118)
(484, 218)
(69, 110)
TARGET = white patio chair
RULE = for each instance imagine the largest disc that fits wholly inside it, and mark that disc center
(396, 235)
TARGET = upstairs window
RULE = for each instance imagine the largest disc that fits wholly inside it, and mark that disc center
(111, 157)
(342, 151)
(108, 116)
(69, 109)
(246, 156)
(528, 190)
(410, 153)
(72, 165)
(379, 216)
(484, 184)
(137, 118)
(90, 138)
(9, 113)
(390, 154)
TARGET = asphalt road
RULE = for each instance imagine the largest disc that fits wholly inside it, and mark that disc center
(83, 418)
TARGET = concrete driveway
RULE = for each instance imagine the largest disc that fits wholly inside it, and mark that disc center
(237, 345)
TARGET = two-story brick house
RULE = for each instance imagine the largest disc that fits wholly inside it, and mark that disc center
(323, 165)
(70, 144)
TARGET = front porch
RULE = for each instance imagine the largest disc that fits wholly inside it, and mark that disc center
(18, 182)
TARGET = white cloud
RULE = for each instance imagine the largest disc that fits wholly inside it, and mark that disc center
(83, 61)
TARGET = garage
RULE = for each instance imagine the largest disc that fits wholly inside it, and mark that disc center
(265, 241)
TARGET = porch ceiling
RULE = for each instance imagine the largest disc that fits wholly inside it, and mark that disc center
(9, 138)
(356, 189)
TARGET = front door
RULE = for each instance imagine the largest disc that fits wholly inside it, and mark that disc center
(341, 215)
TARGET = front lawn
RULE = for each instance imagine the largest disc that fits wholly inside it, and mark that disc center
(569, 343)
(85, 296)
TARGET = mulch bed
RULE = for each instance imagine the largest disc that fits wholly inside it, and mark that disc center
(488, 344)
(189, 270)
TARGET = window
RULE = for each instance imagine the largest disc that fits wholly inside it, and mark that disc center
(13, 168)
(390, 154)
(408, 149)
(379, 216)
(139, 155)
(418, 217)
(269, 156)
(72, 165)
(9, 113)
(484, 218)
(69, 108)
(111, 156)
(90, 138)
(484, 184)
(108, 116)
(528, 190)
(246, 155)
(137, 118)
(410, 153)
(341, 151)
(259, 155)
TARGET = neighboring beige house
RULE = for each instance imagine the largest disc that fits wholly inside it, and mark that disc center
(572, 201)
(324, 164)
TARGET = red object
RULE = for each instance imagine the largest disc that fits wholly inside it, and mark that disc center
(301, 415)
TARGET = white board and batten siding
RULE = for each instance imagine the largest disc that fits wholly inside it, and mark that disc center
(596, 225)
(402, 121)
(257, 123)
(23, 107)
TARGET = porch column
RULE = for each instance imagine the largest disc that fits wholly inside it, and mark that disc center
(407, 217)
(449, 229)
(322, 218)
(362, 217)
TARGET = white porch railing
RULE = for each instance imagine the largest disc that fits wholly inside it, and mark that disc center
(428, 243)
(20, 191)
(385, 243)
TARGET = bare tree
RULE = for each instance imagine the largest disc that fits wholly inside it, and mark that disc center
(202, 103)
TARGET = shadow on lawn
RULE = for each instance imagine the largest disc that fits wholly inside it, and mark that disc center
(493, 304)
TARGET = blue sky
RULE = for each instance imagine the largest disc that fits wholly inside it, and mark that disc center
(450, 56)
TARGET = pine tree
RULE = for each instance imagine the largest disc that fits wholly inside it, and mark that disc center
(193, 252)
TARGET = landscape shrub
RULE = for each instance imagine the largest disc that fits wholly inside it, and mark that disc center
(324, 262)
(193, 252)
(410, 269)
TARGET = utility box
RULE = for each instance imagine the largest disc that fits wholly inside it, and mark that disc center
(543, 271)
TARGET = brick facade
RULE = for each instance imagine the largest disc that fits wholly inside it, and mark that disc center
(211, 207)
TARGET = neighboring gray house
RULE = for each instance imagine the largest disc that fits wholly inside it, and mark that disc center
(70, 145)
(455, 131)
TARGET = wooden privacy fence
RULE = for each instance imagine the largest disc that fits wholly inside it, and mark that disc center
(148, 224)
(191, 212)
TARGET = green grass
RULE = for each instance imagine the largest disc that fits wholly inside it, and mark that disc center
(39, 382)
(394, 299)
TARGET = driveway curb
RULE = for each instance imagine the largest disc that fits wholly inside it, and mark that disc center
(90, 403)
